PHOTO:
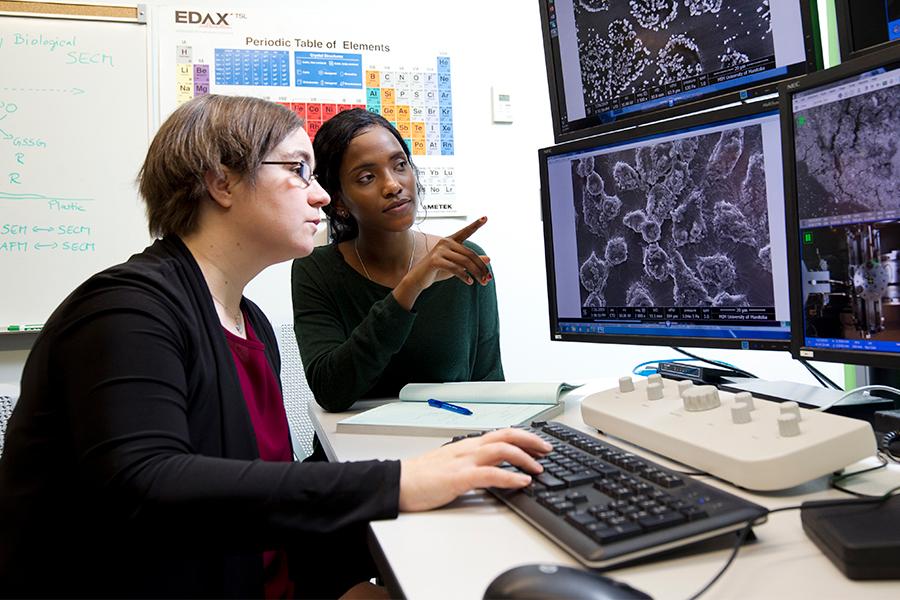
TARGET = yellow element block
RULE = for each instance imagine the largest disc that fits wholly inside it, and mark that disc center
(387, 96)
(373, 78)
(403, 113)
(404, 129)
(418, 129)
(184, 72)
(389, 112)
(418, 146)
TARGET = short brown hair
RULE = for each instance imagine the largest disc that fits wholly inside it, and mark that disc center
(203, 135)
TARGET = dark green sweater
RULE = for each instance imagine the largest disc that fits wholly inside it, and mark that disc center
(357, 342)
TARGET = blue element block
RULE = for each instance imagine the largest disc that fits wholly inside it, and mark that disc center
(328, 70)
(252, 67)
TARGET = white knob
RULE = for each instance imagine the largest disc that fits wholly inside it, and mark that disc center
(745, 399)
(684, 384)
(789, 425)
(654, 391)
(655, 378)
(791, 408)
(740, 414)
(700, 398)
(626, 384)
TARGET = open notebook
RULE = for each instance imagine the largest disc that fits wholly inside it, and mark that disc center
(494, 404)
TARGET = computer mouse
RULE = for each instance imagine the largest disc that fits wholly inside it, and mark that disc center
(542, 581)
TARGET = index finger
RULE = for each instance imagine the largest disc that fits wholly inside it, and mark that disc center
(465, 232)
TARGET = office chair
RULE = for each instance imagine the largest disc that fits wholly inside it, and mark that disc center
(297, 394)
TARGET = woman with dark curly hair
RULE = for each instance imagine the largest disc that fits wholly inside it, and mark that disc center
(385, 304)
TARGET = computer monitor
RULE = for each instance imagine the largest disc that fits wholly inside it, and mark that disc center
(611, 62)
(841, 135)
(863, 25)
(670, 234)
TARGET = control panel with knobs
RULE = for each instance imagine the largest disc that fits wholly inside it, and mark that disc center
(753, 443)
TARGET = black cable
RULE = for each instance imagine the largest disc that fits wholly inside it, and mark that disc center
(745, 532)
(716, 363)
(815, 375)
(742, 537)
(820, 376)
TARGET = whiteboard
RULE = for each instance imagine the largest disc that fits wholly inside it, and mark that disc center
(74, 129)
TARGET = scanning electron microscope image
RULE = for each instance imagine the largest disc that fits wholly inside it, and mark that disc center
(678, 223)
(848, 155)
(630, 45)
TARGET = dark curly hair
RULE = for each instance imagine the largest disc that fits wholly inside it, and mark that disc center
(330, 145)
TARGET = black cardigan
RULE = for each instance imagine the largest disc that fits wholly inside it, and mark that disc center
(131, 466)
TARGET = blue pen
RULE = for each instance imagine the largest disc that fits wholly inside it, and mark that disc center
(447, 406)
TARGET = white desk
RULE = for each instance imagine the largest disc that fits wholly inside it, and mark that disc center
(456, 551)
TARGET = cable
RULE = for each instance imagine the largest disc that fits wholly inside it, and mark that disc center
(657, 361)
(742, 537)
(715, 362)
(836, 479)
(815, 374)
(820, 375)
(745, 532)
(864, 389)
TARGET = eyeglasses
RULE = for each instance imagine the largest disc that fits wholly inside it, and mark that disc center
(300, 168)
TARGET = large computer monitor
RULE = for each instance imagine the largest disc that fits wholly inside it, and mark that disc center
(866, 24)
(670, 234)
(611, 62)
(841, 133)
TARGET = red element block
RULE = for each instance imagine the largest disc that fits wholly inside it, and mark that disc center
(343, 107)
(299, 108)
(314, 111)
(312, 128)
(328, 111)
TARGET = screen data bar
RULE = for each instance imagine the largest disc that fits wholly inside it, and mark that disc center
(857, 87)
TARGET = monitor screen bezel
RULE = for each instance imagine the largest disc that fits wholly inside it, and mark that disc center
(650, 129)
(844, 19)
(813, 62)
(799, 349)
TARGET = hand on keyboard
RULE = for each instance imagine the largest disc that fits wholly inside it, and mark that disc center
(438, 477)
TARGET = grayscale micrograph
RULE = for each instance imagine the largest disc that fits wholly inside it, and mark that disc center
(678, 223)
(632, 45)
(848, 155)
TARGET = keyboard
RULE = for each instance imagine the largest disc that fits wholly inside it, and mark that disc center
(606, 506)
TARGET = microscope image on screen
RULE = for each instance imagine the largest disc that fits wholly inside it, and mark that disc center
(680, 223)
(848, 158)
(638, 50)
(851, 281)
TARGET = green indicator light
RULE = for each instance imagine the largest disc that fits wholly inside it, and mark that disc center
(801, 120)
(808, 237)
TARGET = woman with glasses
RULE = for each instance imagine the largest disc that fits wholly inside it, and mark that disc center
(385, 304)
(149, 452)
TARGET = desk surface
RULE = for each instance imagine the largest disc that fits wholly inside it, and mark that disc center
(456, 551)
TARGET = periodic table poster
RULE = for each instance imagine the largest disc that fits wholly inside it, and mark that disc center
(315, 60)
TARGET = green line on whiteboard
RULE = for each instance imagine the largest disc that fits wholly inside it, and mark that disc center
(9, 196)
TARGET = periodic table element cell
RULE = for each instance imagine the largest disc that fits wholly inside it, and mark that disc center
(314, 111)
(373, 78)
(389, 112)
(343, 107)
(312, 128)
(200, 88)
(388, 78)
(418, 129)
(404, 95)
(201, 73)
(403, 113)
(184, 55)
(405, 129)
(416, 112)
(184, 72)
(328, 111)
(299, 109)
(387, 96)
(418, 146)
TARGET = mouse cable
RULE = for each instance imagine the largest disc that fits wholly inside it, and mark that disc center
(717, 363)
(839, 477)
(745, 532)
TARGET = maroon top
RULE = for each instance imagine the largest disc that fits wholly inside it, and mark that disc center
(266, 407)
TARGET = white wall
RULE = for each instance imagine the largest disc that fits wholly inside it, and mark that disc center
(499, 43)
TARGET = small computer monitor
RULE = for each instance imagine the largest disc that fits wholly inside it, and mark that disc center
(841, 133)
(864, 25)
(670, 234)
(611, 62)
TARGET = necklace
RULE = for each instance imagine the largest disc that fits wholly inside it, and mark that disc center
(412, 255)
(237, 317)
